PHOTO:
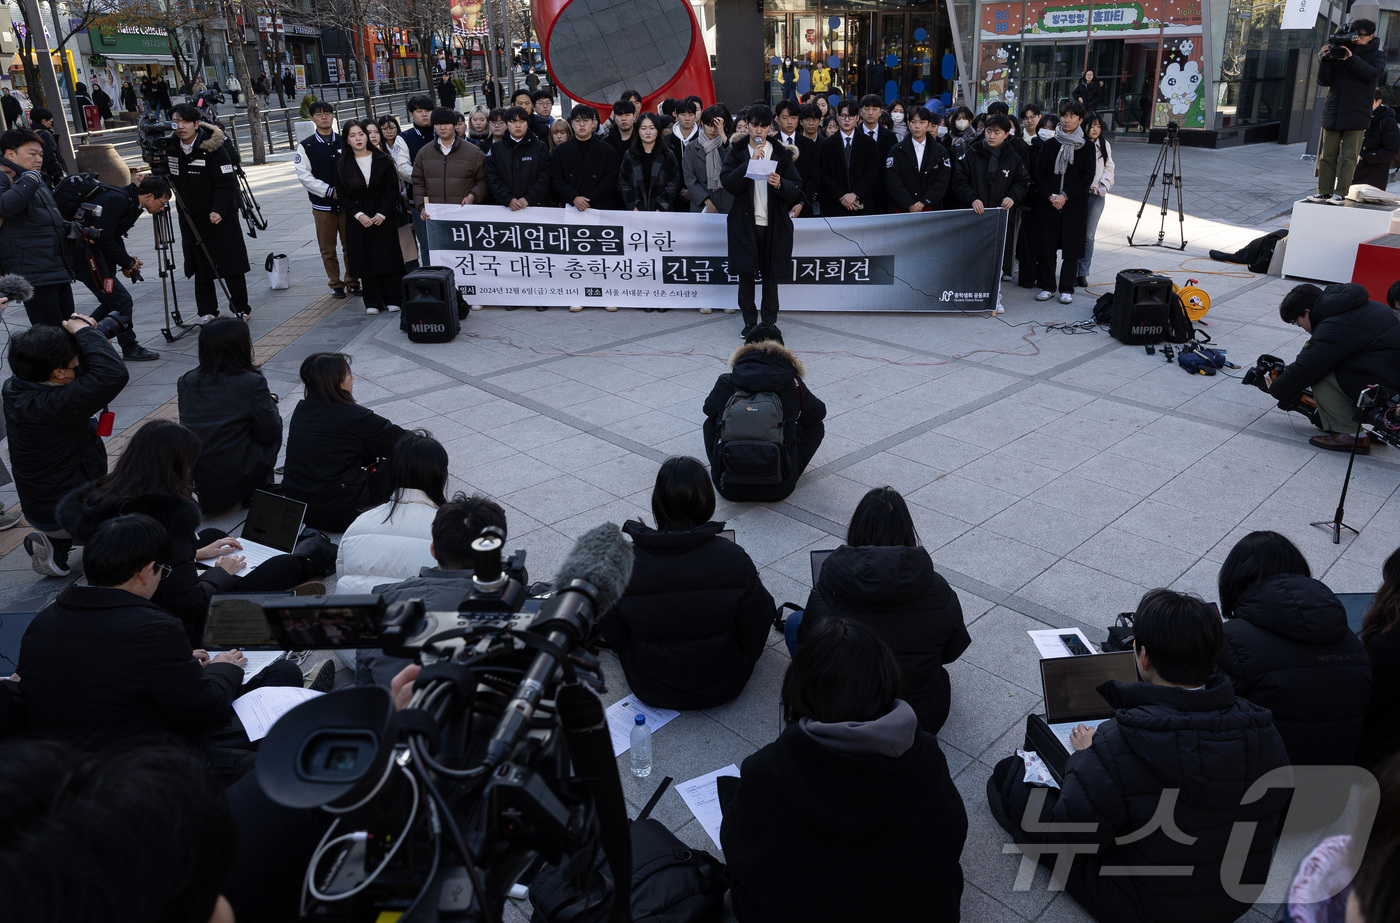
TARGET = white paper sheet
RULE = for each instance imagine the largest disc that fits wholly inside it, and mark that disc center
(701, 795)
(622, 715)
(1048, 643)
(260, 709)
(257, 661)
(760, 169)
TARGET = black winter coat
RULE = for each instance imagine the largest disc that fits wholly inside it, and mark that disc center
(373, 250)
(1090, 94)
(33, 239)
(807, 170)
(328, 449)
(971, 182)
(519, 170)
(240, 433)
(1379, 148)
(804, 816)
(1381, 737)
(1352, 336)
(121, 209)
(55, 168)
(1207, 745)
(653, 193)
(138, 676)
(13, 110)
(907, 181)
(694, 618)
(54, 446)
(185, 591)
(837, 180)
(896, 591)
(587, 169)
(744, 256)
(1288, 649)
(1066, 228)
(207, 185)
(1351, 87)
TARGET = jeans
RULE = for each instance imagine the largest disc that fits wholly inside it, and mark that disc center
(1096, 204)
(1336, 162)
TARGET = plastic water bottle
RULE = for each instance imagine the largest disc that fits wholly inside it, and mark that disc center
(641, 748)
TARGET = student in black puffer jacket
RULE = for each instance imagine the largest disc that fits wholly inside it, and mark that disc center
(1288, 649)
(1181, 734)
(695, 616)
(885, 579)
(1380, 632)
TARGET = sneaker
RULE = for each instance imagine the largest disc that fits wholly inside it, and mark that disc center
(1066, 298)
(309, 588)
(371, 310)
(611, 309)
(731, 310)
(575, 308)
(392, 309)
(1044, 296)
(337, 293)
(299, 657)
(748, 329)
(1336, 199)
(208, 317)
(322, 676)
(140, 354)
(242, 315)
(478, 307)
(10, 518)
(1317, 198)
(40, 551)
(542, 308)
(1081, 281)
(706, 310)
(354, 289)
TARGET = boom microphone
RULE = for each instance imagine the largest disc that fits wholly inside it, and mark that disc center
(590, 581)
(16, 287)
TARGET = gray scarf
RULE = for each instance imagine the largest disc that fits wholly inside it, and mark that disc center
(1069, 143)
(713, 160)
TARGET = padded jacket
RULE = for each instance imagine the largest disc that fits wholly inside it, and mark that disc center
(1354, 337)
(519, 170)
(33, 239)
(1351, 87)
(971, 183)
(1379, 148)
(908, 181)
(374, 552)
(1381, 737)
(896, 591)
(448, 178)
(693, 620)
(328, 447)
(240, 432)
(1288, 649)
(1208, 747)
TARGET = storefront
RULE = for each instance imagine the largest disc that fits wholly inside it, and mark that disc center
(130, 54)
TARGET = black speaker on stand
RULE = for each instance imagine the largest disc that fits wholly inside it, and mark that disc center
(1142, 302)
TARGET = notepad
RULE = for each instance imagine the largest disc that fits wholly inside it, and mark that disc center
(701, 795)
(260, 709)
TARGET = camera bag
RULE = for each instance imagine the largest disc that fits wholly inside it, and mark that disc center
(751, 438)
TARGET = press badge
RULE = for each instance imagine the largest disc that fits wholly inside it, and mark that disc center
(226, 168)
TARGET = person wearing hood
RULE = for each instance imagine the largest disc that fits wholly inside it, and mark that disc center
(851, 791)
(695, 616)
(760, 218)
(1353, 343)
(1288, 648)
(763, 365)
(1060, 213)
(1379, 146)
(209, 202)
(883, 577)
(1161, 785)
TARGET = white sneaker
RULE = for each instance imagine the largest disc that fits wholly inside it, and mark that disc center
(706, 310)
(731, 310)
(10, 518)
(1044, 296)
(574, 309)
(41, 555)
(1317, 198)
(371, 310)
(1066, 298)
(611, 309)
(392, 309)
(478, 307)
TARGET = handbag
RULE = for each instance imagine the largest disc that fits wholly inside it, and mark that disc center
(408, 243)
(318, 551)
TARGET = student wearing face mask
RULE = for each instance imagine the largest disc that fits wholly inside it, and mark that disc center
(1064, 172)
(899, 126)
(962, 133)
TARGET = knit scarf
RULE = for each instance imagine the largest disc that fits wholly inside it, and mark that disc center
(993, 161)
(1069, 143)
(713, 161)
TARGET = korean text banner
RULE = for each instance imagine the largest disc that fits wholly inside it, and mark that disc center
(935, 261)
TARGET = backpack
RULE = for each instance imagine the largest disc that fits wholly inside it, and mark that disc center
(75, 189)
(1179, 326)
(1103, 308)
(751, 438)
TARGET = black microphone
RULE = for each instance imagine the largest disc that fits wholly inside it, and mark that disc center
(16, 287)
(590, 581)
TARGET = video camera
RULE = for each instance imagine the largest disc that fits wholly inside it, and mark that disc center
(1262, 375)
(153, 136)
(1379, 407)
(500, 758)
(1344, 37)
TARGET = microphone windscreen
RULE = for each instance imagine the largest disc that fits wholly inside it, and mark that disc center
(603, 558)
(16, 287)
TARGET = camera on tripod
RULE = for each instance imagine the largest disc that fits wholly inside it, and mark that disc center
(1262, 375)
(1343, 38)
(1379, 407)
(153, 137)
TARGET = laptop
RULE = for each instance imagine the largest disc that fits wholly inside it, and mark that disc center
(818, 559)
(1070, 686)
(272, 527)
(1356, 605)
(727, 534)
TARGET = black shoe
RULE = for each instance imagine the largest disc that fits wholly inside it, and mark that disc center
(140, 354)
(542, 307)
(1081, 281)
(355, 290)
(748, 329)
(337, 293)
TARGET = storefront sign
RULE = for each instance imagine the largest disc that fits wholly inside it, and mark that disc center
(1078, 19)
(147, 41)
(1301, 14)
(543, 256)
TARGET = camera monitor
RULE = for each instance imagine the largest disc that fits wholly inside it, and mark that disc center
(301, 623)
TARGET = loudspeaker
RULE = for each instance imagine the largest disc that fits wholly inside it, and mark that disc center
(1141, 307)
(431, 305)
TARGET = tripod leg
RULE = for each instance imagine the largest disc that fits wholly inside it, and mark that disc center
(199, 241)
(1336, 525)
(1151, 184)
(1180, 212)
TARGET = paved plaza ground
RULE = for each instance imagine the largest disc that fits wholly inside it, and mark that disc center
(1053, 476)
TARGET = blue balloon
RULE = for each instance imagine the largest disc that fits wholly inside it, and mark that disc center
(947, 99)
(833, 62)
(775, 61)
(804, 81)
(891, 91)
(835, 22)
(950, 67)
(892, 60)
(917, 86)
(834, 99)
(920, 34)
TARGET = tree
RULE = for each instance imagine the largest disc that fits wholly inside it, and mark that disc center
(426, 20)
(350, 17)
(233, 16)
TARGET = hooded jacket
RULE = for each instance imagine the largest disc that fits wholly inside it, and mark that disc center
(33, 238)
(1288, 648)
(207, 182)
(970, 182)
(1207, 747)
(1352, 336)
(693, 620)
(1379, 148)
(830, 804)
(1351, 87)
(896, 591)
(744, 253)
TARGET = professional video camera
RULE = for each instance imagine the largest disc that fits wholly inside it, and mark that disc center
(1379, 407)
(1344, 37)
(1262, 374)
(500, 758)
(153, 136)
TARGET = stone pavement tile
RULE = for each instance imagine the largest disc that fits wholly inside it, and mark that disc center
(1371, 547)
(607, 410)
(662, 394)
(756, 715)
(1083, 593)
(414, 380)
(984, 707)
(962, 498)
(798, 565)
(1012, 473)
(531, 433)
(1065, 909)
(1350, 577)
(1001, 646)
(977, 905)
(888, 469)
(403, 412)
(833, 498)
(939, 451)
(866, 428)
(618, 511)
(768, 535)
(624, 475)
(1042, 526)
(654, 427)
(511, 473)
(1171, 442)
(478, 449)
(1153, 564)
(1201, 578)
(935, 529)
(558, 499)
(1183, 528)
(487, 415)
(582, 451)
(994, 559)
(973, 606)
(1326, 471)
(984, 864)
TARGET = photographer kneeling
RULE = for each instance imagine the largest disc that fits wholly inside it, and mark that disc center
(1354, 343)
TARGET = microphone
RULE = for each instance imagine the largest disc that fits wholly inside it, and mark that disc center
(16, 287)
(591, 580)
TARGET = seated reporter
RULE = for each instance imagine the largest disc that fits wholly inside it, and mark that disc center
(883, 577)
(1181, 734)
(336, 449)
(695, 616)
(851, 791)
(154, 477)
(1353, 343)
(1288, 648)
(226, 403)
(103, 662)
(1380, 633)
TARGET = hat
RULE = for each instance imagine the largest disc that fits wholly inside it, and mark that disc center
(763, 333)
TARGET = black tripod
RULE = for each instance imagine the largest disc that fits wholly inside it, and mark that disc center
(1168, 166)
(166, 266)
(1336, 524)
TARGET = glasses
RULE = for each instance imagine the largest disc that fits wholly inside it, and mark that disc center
(163, 570)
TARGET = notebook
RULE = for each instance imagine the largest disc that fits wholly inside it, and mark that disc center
(272, 527)
(1070, 685)
(818, 559)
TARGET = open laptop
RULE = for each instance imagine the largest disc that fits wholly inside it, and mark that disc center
(818, 559)
(1070, 686)
(272, 527)
(1356, 605)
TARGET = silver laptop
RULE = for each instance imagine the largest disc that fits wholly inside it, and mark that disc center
(272, 527)
(1070, 685)
(818, 559)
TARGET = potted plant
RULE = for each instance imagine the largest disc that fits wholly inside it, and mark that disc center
(305, 128)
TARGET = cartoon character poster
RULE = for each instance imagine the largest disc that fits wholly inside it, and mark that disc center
(995, 77)
(1181, 84)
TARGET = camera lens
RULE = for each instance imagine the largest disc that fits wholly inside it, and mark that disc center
(109, 326)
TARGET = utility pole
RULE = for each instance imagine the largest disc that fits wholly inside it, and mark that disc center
(50, 81)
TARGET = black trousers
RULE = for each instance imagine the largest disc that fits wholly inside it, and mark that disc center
(770, 287)
(273, 575)
(51, 304)
(382, 290)
(206, 293)
(116, 303)
(1045, 273)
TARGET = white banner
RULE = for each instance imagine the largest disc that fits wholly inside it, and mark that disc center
(934, 261)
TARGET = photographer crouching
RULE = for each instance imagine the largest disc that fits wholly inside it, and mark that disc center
(1353, 343)
(61, 379)
(33, 238)
(1352, 64)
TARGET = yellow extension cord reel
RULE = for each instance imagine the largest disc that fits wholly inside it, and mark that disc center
(1194, 298)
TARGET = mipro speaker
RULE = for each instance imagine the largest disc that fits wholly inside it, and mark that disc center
(430, 305)
(1142, 302)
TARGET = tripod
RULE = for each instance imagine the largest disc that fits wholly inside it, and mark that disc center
(1168, 166)
(166, 265)
(1336, 524)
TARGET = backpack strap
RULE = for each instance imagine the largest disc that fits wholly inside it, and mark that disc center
(801, 400)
